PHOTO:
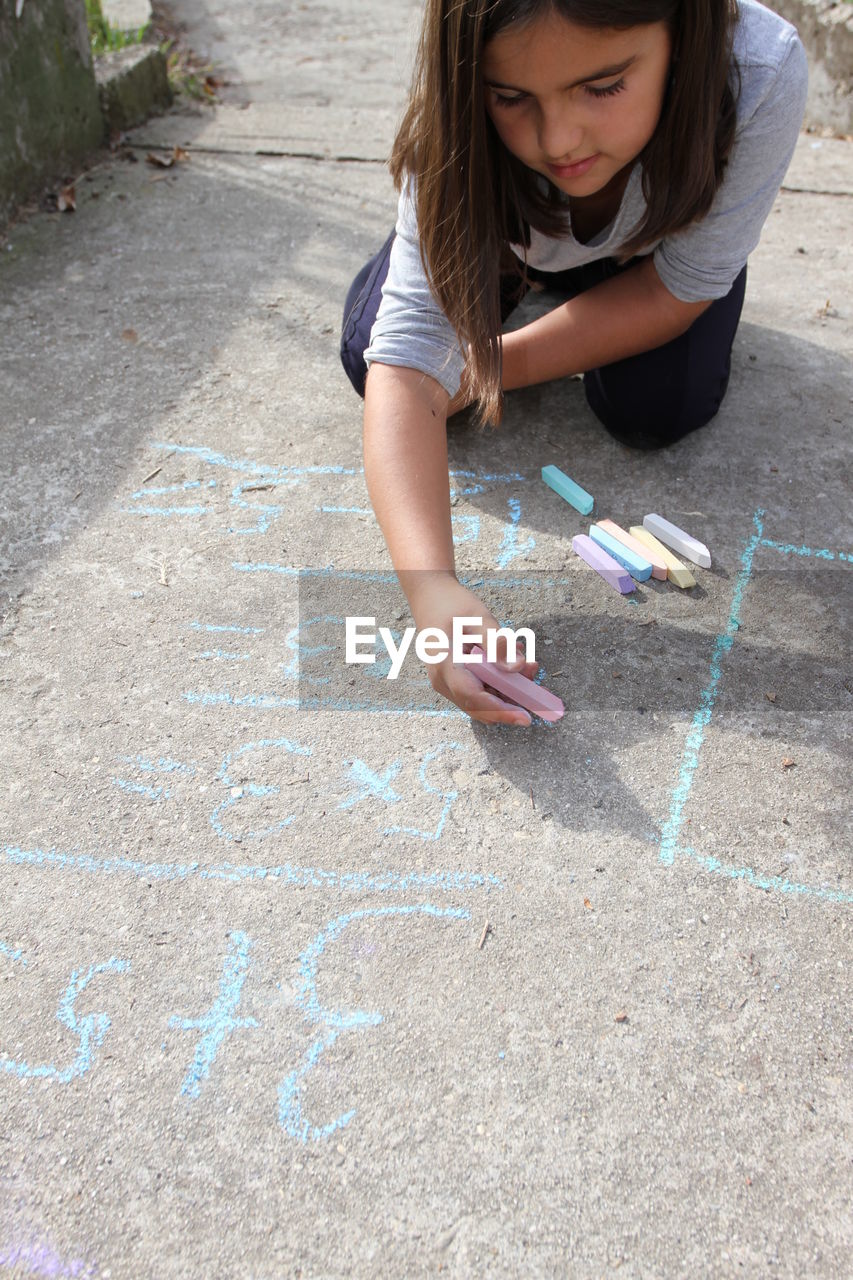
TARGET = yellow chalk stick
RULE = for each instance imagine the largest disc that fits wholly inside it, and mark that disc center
(616, 531)
(675, 570)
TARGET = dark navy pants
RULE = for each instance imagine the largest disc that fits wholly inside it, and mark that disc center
(647, 401)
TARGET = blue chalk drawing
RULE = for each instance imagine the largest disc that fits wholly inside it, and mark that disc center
(144, 765)
(370, 785)
(333, 1021)
(510, 547)
(221, 655)
(346, 511)
(468, 526)
(295, 668)
(13, 954)
(166, 511)
(219, 1021)
(485, 477)
(89, 1030)
(300, 651)
(669, 840)
(195, 509)
(219, 629)
(472, 580)
(252, 789)
(447, 797)
(277, 701)
(289, 874)
(248, 466)
(789, 549)
(292, 571)
(465, 529)
(778, 884)
(265, 512)
(274, 700)
(159, 492)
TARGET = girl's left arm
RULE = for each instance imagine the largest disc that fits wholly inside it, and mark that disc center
(630, 313)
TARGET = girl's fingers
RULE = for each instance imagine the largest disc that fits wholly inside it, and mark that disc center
(482, 704)
(520, 664)
(489, 709)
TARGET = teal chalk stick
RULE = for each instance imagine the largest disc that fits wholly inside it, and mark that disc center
(573, 493)
(636, 565)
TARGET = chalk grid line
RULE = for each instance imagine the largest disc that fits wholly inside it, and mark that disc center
(670, 846)
(293, 875)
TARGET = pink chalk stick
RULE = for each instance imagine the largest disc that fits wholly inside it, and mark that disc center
(598, 559)
(639, 548)
(514, 685)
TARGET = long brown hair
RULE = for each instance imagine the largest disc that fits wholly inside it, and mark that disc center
(474, 199)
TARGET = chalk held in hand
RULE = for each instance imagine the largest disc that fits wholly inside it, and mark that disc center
(598, 559)
(672, 536)
(633, 544)
(512, 684)
(638, 566)
(566, 488)
(675, 570)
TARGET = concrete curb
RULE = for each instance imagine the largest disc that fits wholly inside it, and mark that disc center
(826, 30)
(133, 84)
(127, 15)
(50, 118)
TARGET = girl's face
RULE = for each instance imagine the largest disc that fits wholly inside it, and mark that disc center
(577, 104)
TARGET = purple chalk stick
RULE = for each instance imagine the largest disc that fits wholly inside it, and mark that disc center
(604, 564)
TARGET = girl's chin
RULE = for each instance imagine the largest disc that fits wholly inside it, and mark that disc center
(588, 184)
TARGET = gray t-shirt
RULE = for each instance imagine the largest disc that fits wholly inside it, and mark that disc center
(698, 263)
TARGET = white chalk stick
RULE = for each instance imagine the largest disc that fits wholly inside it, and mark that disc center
(671, 536)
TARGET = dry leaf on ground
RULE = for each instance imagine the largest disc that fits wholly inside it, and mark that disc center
(178, 155)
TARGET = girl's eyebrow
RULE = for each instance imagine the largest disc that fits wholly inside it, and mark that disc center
(595, 75)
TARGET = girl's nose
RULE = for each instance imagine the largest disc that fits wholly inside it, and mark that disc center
(560, 135)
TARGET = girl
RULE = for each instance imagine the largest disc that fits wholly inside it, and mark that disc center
(626, 152)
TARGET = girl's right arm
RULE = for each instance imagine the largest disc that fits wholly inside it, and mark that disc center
(405, 463)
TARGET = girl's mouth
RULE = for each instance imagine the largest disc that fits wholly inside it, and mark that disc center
(572, 170)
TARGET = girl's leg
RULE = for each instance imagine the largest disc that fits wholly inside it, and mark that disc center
(360, 310)
(653, 399)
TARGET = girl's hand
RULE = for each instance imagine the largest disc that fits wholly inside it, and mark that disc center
(436, 599)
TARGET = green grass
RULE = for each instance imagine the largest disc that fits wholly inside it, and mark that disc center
(104, 38)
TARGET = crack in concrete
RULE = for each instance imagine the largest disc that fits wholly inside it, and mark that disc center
(815, 191)
(267, 153)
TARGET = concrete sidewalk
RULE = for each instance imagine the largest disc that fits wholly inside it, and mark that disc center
(252, 1022)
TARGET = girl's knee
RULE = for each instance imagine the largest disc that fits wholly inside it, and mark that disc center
(644, 417)
(360, 309)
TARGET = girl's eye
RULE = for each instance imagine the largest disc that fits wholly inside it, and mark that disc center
(503, 101)
(607, 91)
